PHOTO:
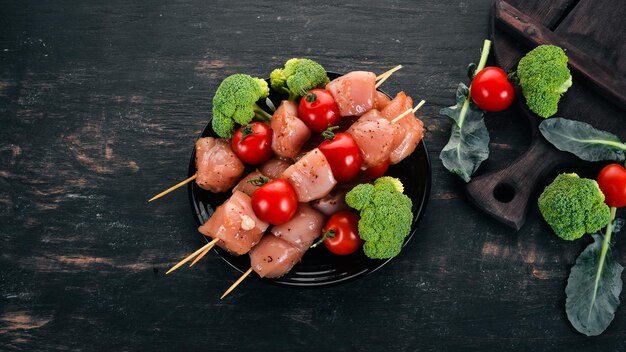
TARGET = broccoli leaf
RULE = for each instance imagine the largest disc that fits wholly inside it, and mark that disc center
(582, 140)
(468, 146)
(590, 307)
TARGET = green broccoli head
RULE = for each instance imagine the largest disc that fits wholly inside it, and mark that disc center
(544, 77)
(389, 183)
(382, 249)
(235, 103)
(360, 196)
(386, 216)
(278, 81)
(298, 77)
(574, 206)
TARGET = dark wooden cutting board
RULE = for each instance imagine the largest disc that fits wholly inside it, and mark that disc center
(593, 33)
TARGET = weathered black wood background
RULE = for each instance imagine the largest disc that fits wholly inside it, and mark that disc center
(100, 103)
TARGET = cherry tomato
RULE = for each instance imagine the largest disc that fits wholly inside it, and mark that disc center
(252, 143)
(318, 110)
(342, 154)
(345, 235)
(377, 171)
(612, 182)
(491, 90)
(275, 202)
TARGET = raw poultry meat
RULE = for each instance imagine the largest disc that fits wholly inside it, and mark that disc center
(218, 168)
(235, 224)
(311, 176)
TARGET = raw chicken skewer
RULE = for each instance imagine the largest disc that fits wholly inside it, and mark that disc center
(408, 131)
(355, 93)
(417, 107)
(374, 134)
(277, 253)
(289, 133)
(276, 247)
(244, 186)
(233, 226)
(218, 167)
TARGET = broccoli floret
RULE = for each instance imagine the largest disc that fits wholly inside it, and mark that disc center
(386, 216)
(544, 77)
(298, 77)
(574, 206)
(382, 249)
(235, 103)
(389, 183)
(360, 196)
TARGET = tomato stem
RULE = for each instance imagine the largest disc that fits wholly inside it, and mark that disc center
(311, 97)
(259, 181)
(327, 234)
(329, 134)
(246, 131)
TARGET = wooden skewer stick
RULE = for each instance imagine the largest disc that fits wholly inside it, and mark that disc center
(387, 75)
(399, 117)
(236, 283)
(418, 106)
(173, 188)
(382, 75)
(200, 256)
(193, 255)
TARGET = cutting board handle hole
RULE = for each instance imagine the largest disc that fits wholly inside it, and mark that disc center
(504, 192)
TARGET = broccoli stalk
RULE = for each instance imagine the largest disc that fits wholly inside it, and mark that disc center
(235, 103)
(260, 114)
(544, 77)
(605, 247)
(386, 216)
(574, 206)
(298, 77)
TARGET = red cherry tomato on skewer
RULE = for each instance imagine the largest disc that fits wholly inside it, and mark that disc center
(252, 143)
(342, 154)
(318, 110)
(491, 90)
(275, 202)
(341, 232)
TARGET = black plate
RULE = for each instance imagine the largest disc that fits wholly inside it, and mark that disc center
(318, 266)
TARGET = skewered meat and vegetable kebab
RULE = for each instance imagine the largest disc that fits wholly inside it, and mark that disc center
(320, 143)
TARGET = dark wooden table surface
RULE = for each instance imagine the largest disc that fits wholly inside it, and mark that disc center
(100, 102)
